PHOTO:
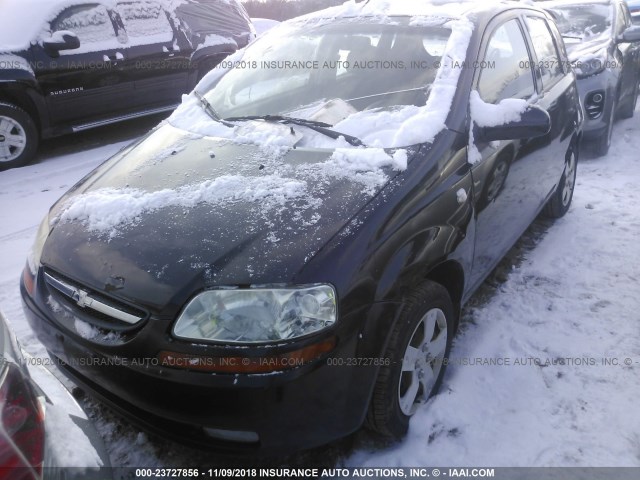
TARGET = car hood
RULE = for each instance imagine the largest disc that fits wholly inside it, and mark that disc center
(176, 213)
(580, 50)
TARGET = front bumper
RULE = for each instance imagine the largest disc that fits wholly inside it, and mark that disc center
(68, 425)
(605, 84)
(256, 414)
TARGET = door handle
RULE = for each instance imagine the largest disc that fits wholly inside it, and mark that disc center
(113, 58)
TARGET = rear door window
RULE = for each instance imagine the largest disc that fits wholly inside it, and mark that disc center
(548, 60)
(91, 23)
(145, 22)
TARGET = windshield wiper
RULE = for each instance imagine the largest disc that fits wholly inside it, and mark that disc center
(208, 108)
(319, 127)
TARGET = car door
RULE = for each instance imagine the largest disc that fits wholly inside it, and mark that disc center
(158, 65)
(628, 54)
(558, 95)
(84, 83)
(512, 179)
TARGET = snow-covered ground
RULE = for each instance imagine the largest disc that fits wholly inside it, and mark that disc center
(544, 371)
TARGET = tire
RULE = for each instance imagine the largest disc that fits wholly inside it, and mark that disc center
(628, 109)
(603, 142)
(400, 387)
(560, 202)
(18, 137)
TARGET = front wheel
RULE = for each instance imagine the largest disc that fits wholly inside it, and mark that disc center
(561, 200)
(18, 137)
(419, 345)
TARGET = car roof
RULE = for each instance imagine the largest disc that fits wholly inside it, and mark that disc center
(552, 3)
(443, 9)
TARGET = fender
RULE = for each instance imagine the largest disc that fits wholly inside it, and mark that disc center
(20, 87)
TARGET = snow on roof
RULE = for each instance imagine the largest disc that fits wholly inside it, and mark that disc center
(448, 9)
(21, 21)
(393, 8)
(553, 3)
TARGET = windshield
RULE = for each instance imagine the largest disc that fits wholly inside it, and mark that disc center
(584, 22)
(329, 72)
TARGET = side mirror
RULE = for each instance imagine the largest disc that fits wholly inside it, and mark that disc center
(534, 122)
(61, 40)
(631, 35)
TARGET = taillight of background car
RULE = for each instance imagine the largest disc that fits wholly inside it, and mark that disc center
(22, 427)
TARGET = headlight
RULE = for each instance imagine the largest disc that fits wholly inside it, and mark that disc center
(257, 315)
(33, 259)
(591, 66)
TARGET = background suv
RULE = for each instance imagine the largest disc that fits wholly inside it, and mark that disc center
(602, 45)
(69, 66)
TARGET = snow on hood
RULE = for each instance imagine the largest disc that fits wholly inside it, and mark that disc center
(105, 210)
(216, 211)
(112, 205)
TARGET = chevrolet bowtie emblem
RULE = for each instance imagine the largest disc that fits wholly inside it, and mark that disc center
(82, 298)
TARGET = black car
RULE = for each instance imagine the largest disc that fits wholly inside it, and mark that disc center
(603, 46)
(286, 258)
(68, 66)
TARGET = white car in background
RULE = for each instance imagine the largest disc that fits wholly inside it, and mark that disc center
(263, 24)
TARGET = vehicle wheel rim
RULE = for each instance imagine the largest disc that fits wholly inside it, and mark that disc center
(499, 176)
(13, 139)
(422, 361)
(569, 180)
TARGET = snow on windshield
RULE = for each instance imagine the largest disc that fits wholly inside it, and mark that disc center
(386, 117)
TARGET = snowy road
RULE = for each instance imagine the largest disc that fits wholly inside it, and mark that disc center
(545, 370)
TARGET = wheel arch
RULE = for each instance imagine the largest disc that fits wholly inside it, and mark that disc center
(450, 274)
(25, 98)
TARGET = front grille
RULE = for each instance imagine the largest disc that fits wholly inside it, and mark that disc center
(94, 307)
